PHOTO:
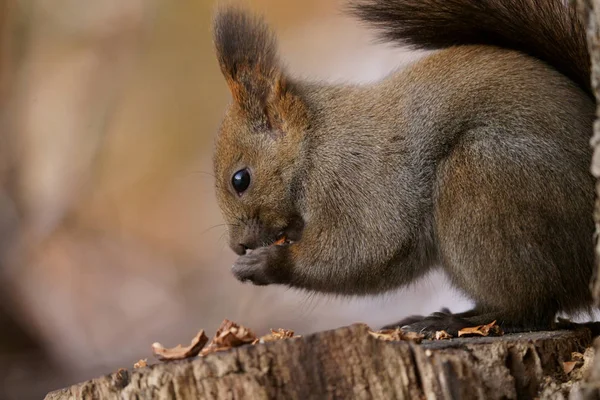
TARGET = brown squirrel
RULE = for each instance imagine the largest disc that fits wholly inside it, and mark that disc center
(474, 159)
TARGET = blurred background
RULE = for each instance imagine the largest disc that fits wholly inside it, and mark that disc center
(110, 237)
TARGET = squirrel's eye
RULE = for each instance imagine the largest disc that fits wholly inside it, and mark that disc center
(241, 180)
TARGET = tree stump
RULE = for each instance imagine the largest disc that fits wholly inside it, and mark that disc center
(350, 363)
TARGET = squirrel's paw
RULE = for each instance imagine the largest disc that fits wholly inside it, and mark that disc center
(253, 267)
(262, 266)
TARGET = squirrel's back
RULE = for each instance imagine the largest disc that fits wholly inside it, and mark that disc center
(549, 30)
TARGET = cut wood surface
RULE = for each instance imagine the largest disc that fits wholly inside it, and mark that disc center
(350, 363)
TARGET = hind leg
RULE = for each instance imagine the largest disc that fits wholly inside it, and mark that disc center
(418, 320)
(452, 323)
(516, 243)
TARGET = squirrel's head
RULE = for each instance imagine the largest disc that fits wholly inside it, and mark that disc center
(260, 139)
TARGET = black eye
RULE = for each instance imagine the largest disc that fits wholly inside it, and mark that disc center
(241, 180)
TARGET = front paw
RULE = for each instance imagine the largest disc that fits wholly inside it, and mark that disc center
(257, 266)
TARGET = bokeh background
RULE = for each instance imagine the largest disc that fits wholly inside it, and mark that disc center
(110, 237)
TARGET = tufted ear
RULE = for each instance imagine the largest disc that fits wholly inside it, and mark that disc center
(247, 53)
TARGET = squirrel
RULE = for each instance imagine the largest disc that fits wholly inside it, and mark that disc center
(474, 159)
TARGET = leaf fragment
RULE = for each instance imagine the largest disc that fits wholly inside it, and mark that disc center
(229, 335)
(180, 352)
(490, 329)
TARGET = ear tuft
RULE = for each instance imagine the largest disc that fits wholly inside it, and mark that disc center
(246, 49)
(247, 53)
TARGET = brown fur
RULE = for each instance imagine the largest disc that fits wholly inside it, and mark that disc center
(473, 159)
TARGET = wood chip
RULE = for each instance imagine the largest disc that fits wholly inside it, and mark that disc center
(279, 334)
(442, 335)
(396, 335)
(490, 329)
(229, 335)
(180, 352)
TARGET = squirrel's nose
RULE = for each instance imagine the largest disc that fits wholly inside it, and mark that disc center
(250, 240)
(240, 249)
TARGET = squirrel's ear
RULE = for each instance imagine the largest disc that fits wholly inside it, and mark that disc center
(247, 54)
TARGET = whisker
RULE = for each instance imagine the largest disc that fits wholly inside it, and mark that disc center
(222, 241)
(309, 303)
(243, 221)
(222, 236)
(217, 226)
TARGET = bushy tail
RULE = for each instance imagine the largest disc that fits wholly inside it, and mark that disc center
(549, 30)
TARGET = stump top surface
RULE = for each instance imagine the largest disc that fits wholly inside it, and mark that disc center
(349, 362)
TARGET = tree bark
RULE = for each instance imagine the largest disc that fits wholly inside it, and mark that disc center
(350, 363)
(590, 11)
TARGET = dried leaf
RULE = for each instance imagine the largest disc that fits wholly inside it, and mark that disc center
(396, 335)
(279, 334)
(179, 352)
(577, 361)
(227, 336)
(569, 366)
(490, 329)
(442, 335)
(141, 364)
